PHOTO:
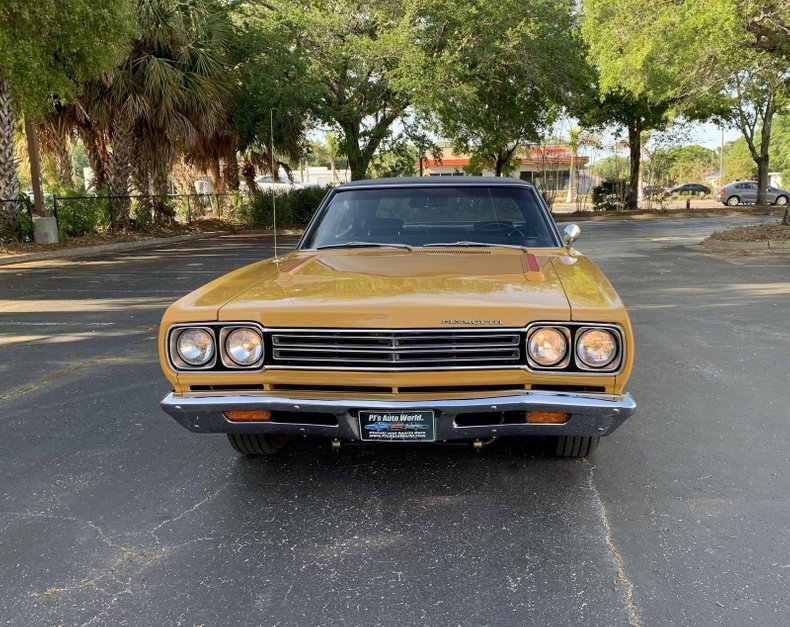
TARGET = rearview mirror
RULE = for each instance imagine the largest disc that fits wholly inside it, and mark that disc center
(571, 234)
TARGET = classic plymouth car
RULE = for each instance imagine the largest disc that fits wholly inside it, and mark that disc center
(412, 310)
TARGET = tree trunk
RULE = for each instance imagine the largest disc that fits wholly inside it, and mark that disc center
(786, 218)
(161, 164)
(357, 162)
(141, 180)
(122, 140)
(217, 180)
(248, 172)
(9, 183)
(60, 146)
(96, 152)
(635, 149)
(357, 165)
(232, 171)
(35, 166)
(498, 163)
(763, 161)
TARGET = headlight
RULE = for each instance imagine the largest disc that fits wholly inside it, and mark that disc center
(596, 348)
(195, 347)
(547, 346)
(244, 346)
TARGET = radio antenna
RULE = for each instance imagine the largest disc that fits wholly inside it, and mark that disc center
(271, 167)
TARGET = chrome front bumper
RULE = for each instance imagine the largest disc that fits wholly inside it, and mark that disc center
(590, 414)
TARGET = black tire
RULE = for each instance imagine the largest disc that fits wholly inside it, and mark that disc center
(733, 201)
(574, 445)
(781, 201)
(257, 444)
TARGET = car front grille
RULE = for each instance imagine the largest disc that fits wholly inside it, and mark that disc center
(394, 350)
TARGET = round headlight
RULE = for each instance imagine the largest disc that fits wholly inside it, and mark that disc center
(547, 346)
(596, 348)
(244, 346)
(195, 347)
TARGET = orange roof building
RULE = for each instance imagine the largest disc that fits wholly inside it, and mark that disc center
(547, 167)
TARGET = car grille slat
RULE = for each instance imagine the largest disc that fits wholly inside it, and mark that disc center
(394, 349)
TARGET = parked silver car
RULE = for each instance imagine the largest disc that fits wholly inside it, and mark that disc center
(745, 192)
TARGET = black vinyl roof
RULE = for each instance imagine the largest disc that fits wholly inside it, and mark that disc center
(437, 181)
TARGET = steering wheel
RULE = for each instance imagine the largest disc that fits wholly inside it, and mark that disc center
(497, 227)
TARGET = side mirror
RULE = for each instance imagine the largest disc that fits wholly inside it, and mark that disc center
(571, 234)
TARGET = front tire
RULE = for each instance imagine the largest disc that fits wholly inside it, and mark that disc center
(257, 443)
(733, 201)
(781, 201)
(574, 446)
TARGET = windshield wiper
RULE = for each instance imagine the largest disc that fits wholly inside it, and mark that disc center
(472, 244)
(364, 245)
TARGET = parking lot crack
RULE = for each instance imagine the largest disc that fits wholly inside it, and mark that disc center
(209, 497)
(621, 579)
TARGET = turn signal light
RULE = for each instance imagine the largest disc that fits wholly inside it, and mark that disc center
(550, 417)
(253, 415)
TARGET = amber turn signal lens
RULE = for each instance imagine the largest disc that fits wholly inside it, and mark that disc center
(242, 415)
(551, 417)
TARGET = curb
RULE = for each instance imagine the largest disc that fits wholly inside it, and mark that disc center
(86, 251)
(781, 247)
(726, 245)
(657, 215)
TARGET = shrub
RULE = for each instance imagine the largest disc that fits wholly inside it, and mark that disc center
(294, 208)
(304, 202)
(80, 215)
(609, 195)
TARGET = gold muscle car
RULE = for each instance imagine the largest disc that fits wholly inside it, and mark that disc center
(412, 310)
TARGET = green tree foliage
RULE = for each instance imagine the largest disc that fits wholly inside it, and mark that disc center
(273, 99)
(682, 164)
(503, 74)
(703, 55)
(48, 48)
(780, 147)
(738, 162)
(635, 114)
(612, 167)
(354, 56)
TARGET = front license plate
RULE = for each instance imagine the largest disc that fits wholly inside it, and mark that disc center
(397, 426)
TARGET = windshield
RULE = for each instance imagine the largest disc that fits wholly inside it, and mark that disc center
(432, 216)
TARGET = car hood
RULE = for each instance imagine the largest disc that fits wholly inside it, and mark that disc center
(389, 288)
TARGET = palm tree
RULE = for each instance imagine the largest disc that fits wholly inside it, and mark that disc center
(9, 183)
(578, 138)
(171, 92)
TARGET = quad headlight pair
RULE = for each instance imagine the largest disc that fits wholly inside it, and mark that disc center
(197, 347)
(592, 348)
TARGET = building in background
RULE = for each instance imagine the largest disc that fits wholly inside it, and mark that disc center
(547, 167)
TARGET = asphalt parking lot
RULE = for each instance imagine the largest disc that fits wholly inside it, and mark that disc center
(111, 513)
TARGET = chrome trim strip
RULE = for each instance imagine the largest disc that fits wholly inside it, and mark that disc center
(591, 414)
(458, 329)
(298, 349)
